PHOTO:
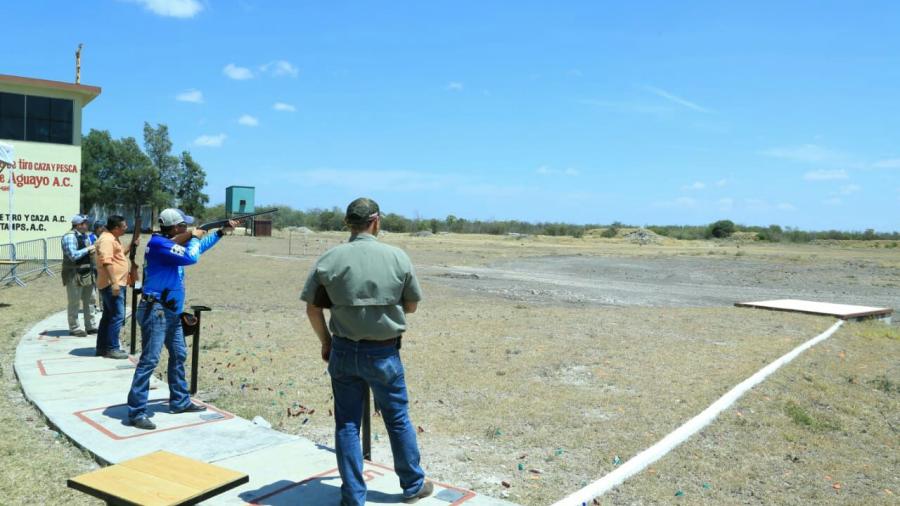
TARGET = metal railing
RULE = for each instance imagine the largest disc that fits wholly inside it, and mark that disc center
(26, 258)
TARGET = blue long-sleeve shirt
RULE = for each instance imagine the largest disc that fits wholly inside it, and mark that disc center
(164, 262)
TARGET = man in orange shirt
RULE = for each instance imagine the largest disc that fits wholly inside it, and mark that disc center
(112, 277)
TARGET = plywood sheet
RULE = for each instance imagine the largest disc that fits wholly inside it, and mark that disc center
(842, 311)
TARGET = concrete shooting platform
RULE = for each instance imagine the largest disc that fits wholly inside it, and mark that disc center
(842, 311)
(84, 397)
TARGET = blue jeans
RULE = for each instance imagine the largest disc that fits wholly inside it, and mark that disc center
(352, 366)
(111, 321)
(159, 326)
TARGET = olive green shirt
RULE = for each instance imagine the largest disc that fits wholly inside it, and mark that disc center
(367, 282)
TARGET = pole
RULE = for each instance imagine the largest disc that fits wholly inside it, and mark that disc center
(135, 291)
(195, 351)
(367, 426)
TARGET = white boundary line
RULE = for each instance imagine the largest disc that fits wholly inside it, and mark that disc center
(637, 463)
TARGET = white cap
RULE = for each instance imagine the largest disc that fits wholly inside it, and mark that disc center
(172, 216)
(78, 219)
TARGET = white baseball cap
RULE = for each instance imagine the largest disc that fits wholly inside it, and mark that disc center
(78, 219)
(172, 216)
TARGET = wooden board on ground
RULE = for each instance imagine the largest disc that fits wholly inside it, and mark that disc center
(842, 311)
(159, 478)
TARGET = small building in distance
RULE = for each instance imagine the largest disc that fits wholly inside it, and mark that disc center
(41, 119)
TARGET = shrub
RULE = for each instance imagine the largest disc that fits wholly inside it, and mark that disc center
(720, 229)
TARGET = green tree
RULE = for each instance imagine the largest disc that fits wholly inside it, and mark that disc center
(134, 180)
(98, 158)
(189, 190)
(720, 229)
(158, 147)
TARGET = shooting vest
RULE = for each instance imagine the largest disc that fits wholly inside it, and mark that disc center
(69, 267)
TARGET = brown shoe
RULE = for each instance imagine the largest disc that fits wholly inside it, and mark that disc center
(424, 492)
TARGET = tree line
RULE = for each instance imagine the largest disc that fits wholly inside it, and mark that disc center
(116, 172)
(333, 220)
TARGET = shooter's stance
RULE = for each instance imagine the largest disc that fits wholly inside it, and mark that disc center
(370, 287)
(159, 312)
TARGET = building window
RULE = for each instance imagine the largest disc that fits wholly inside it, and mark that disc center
(48, 120)
(12, 116)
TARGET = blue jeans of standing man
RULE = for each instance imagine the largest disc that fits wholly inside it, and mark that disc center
(111, 321)
(159, 326)
(352, 366)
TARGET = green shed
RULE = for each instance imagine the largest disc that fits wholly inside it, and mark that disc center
(239, 200)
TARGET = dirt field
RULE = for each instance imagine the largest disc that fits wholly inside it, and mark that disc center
(537, 362)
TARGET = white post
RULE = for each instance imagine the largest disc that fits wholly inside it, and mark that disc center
(7, 159)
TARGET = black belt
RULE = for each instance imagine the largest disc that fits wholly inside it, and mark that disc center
(394, 341)
(162, 299)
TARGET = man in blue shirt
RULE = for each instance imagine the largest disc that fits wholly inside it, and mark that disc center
(159, 312)
(78, 276)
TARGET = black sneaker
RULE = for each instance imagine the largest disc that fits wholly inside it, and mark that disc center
(190, 408)
(425, 491)
(116, 354)
(78, 333)
(92, 331)
(143, 423)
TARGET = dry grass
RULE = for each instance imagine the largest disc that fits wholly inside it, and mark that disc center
(495, 383)
(35, 461)
(822, 430)
(498, 385)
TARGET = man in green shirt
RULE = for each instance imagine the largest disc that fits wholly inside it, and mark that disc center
(369, 287)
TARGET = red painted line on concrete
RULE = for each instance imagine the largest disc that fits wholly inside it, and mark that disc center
(40, 365)
(467, 494)
(81, 414)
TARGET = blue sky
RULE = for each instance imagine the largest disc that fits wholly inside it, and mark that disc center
(585, 112)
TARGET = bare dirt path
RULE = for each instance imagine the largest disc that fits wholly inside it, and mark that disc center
(674, 281)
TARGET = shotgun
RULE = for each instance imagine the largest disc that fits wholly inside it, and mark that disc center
(221, 223)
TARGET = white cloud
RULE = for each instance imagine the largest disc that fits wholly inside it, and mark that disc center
(237, 73)
(849, 189)
(825, 175)
(454, 86)
(281, 106)
(756, 204)
(547, 171)
(834, 201)
(676, 99)
(248, 120)
(696, 185)
(195, 96)
(722, 182)
(172, 8)
(785, 206)
(806, 153)
(280, 68)
(210, 141)
(682, 202)
(891, 163)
